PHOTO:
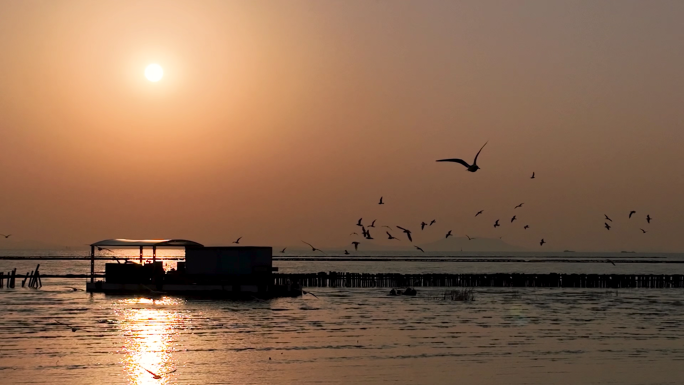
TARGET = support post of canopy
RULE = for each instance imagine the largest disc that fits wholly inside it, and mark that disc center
(154, 254)
(92, 264)
(141, 254)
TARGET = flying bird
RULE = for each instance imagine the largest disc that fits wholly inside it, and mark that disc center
(354, 233)
(104, 248)
(368, 235)
(407, 232)
(607, 217)
(346, 252)
(610, 261)
(381, 202)
(606, 225)
(387, 227)
(643, 231)
(422, 225)
(73, 328)
(364, 232)
(283, 250)
(373, 223)
(158, 376)
(417, 247)
(532, 177)
(472, 168)
(520, 205)
(390, 236)
(432, 222)
(512, 219)
(648, 219)
(479, 212)
(356, 245)
(631, 213)
(448, 234)
(526, 227)
(470, 239)
(237, 241)
(6, 236)
(542, 242)
(313, 248)
(496, 224)
(359, 222)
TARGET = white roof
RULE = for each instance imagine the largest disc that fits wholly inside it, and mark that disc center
(120, 242)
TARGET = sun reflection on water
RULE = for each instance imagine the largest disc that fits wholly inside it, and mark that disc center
(149, 328)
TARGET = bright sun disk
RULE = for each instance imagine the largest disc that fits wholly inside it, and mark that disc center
(154, 72)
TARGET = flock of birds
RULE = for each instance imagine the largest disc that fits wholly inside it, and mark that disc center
(366, 231)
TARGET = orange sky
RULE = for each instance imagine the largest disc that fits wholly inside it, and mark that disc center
(281, 121)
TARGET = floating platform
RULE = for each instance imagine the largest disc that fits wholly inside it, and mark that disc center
(216, 290)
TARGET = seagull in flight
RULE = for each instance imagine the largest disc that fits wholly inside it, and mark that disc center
(520, 205)
(648, 219)
(237, 241)
(283, 250)
(422, 225)
(448, 234)
(419, 248)
(496, 224)
(359, 222)
(381, 202)
(313, 248)
(532, 177)
(526, 227)
(631, 213)
(390, 236)
(472, 168)
(432, 222)
(6, 236)
(368, 235)
(387, 227)
(542, 242)
(346, 252)
(104, 248)
(354, 233)
(607, 217)
(607, 226)
(356, 245)
(407, 232)
(610, 261)
(73, 328)
(158, 376)
(373, 223)
(479, 212)
(643, 231)
(469, 238)
(512, 219)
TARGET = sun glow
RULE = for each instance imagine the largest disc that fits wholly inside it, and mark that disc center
(154, 72)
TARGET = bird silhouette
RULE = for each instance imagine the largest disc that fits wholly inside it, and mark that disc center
(359, 222)
(526, 227)
(313, 248)
(354, 233)
(381, 202)
(346, 252)
(368, 235)
(73, 328)
(390, 236)
(496, 224)
(643, 231)
(373, 223)
(356, 245)
(532, 177)
(610, 261)
(607, 226)
(422, 225)
(237, 241)
(364, 232)
(387, 227)
(607, 217)
(631, 213)
(432, 222)
(520, 205)
(283, 250)
(469, 238)
(417, 247)
(648, 218)
(542, 242)
(479, 212)
(512, 219)
(472, 168)
(407, 232)
(6, 236)
(104, 248)
(448, 234)
(158, 376)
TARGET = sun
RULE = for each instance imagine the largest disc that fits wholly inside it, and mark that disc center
(154, 72)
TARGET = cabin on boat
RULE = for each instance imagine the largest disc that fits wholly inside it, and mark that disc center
(215, 270)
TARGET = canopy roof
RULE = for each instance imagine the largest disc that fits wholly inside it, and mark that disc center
(146, 242)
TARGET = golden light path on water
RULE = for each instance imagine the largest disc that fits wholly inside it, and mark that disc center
(149, 328)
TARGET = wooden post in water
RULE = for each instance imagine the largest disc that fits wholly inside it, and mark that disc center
(14, 275)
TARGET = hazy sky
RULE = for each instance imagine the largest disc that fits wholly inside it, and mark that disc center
(287, 120)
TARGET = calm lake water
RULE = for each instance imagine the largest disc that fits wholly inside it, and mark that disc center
(505, 336)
